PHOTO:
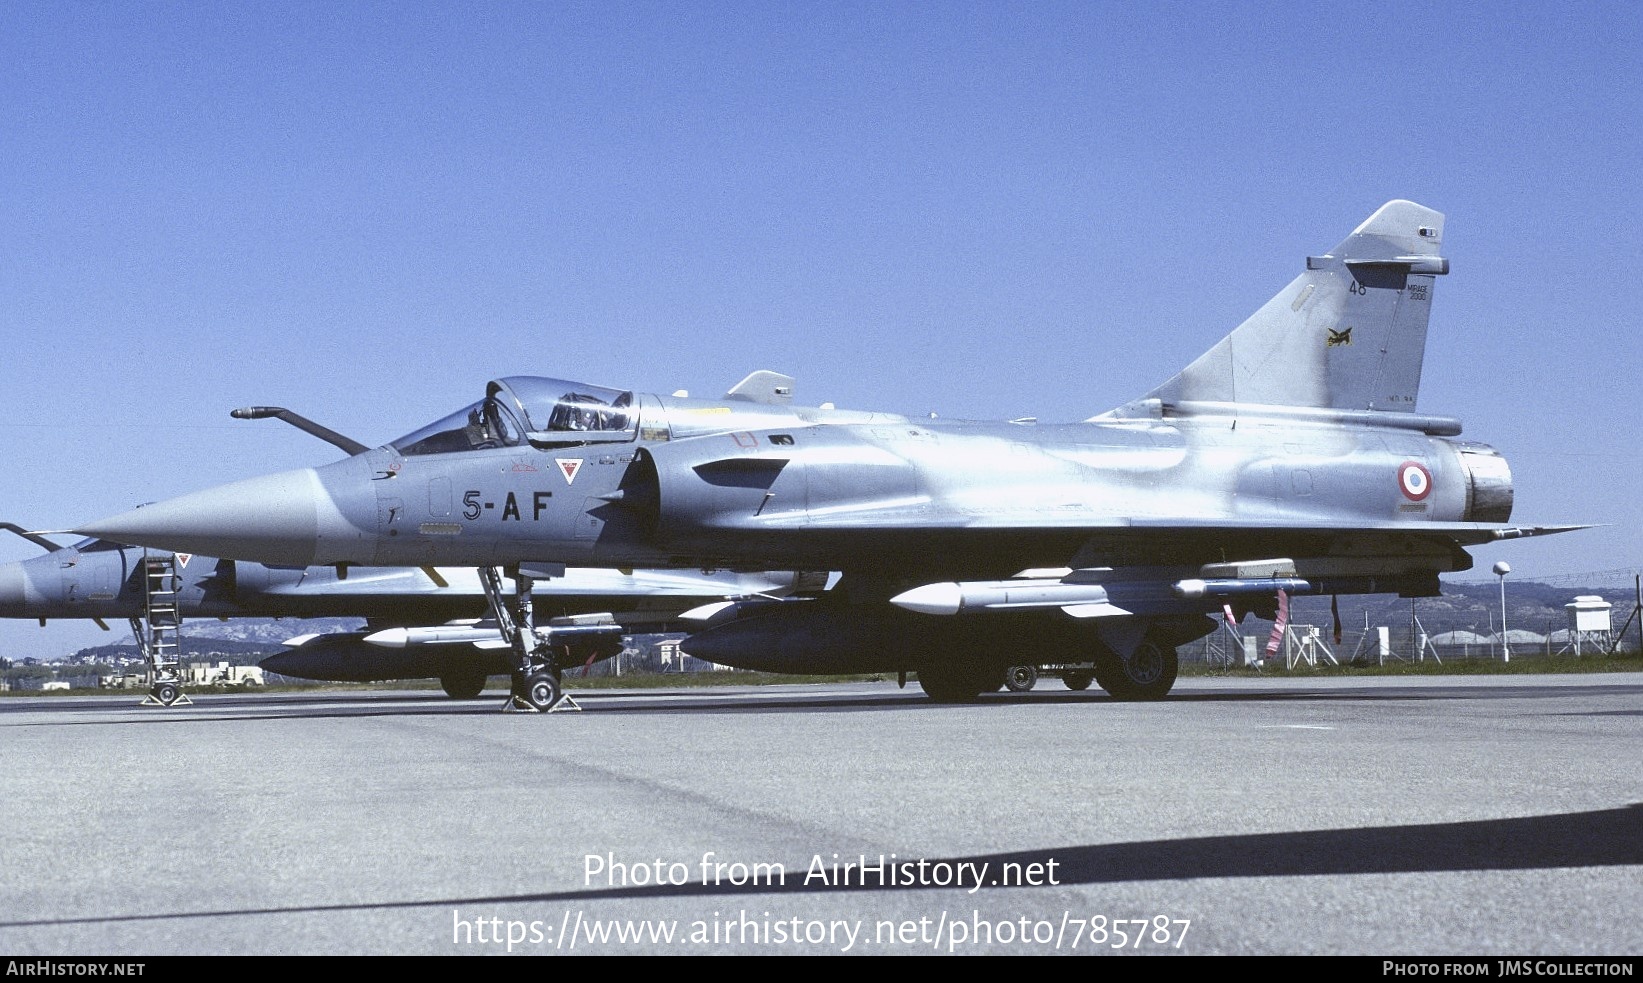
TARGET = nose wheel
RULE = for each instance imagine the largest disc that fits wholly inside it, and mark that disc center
(538, 691)
(166, 693)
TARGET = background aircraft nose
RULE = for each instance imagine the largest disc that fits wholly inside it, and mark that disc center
(286, 519)
(14, 593)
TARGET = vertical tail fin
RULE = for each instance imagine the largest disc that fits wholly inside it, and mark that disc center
(1348, 334)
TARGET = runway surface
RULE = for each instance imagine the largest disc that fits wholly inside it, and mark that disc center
(1462, 815)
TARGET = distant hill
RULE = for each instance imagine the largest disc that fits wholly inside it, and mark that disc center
(263, 631)
(192, 650)
(242, 641)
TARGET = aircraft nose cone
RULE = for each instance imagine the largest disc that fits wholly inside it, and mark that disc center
(285, 519)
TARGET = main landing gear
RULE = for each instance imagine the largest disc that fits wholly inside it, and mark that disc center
(536, 687)
(1147, 674)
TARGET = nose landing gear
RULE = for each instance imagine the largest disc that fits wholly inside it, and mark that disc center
(536, 687)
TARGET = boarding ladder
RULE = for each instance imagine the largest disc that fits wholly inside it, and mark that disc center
(159, 631)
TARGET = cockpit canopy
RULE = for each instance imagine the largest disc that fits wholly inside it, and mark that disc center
(529, 409)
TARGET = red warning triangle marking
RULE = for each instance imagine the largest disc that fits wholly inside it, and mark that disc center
(183, 558)
(568, 466)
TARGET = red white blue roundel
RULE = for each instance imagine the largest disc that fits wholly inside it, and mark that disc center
(1414, 481)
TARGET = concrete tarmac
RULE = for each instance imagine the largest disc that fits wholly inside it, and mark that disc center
(1430, 816)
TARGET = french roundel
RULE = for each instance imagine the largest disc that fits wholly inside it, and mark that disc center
(1414, 481)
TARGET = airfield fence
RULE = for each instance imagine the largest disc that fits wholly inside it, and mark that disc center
(1317, 645)
(1461, 624)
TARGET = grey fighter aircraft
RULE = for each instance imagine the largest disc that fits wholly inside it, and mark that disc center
(1289, 458)
(422, 622)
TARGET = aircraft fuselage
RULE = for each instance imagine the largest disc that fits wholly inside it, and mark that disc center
(841, 496)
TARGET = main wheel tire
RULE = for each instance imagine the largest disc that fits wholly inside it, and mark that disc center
(960, 684)
(1020, 679)
(463, 685)
(1077, 680)
(167, 693)
(1148, 674)
(541, 690)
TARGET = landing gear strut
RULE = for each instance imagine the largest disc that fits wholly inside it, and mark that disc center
(535, 679)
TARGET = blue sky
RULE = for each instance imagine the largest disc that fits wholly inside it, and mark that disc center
(364, 211)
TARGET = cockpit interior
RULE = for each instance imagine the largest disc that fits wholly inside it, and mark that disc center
(529, 409)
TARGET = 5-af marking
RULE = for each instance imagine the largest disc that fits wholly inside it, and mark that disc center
(473, 508)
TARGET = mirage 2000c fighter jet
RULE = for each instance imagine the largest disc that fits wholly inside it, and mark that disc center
(1288, 458)
(422, 623)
